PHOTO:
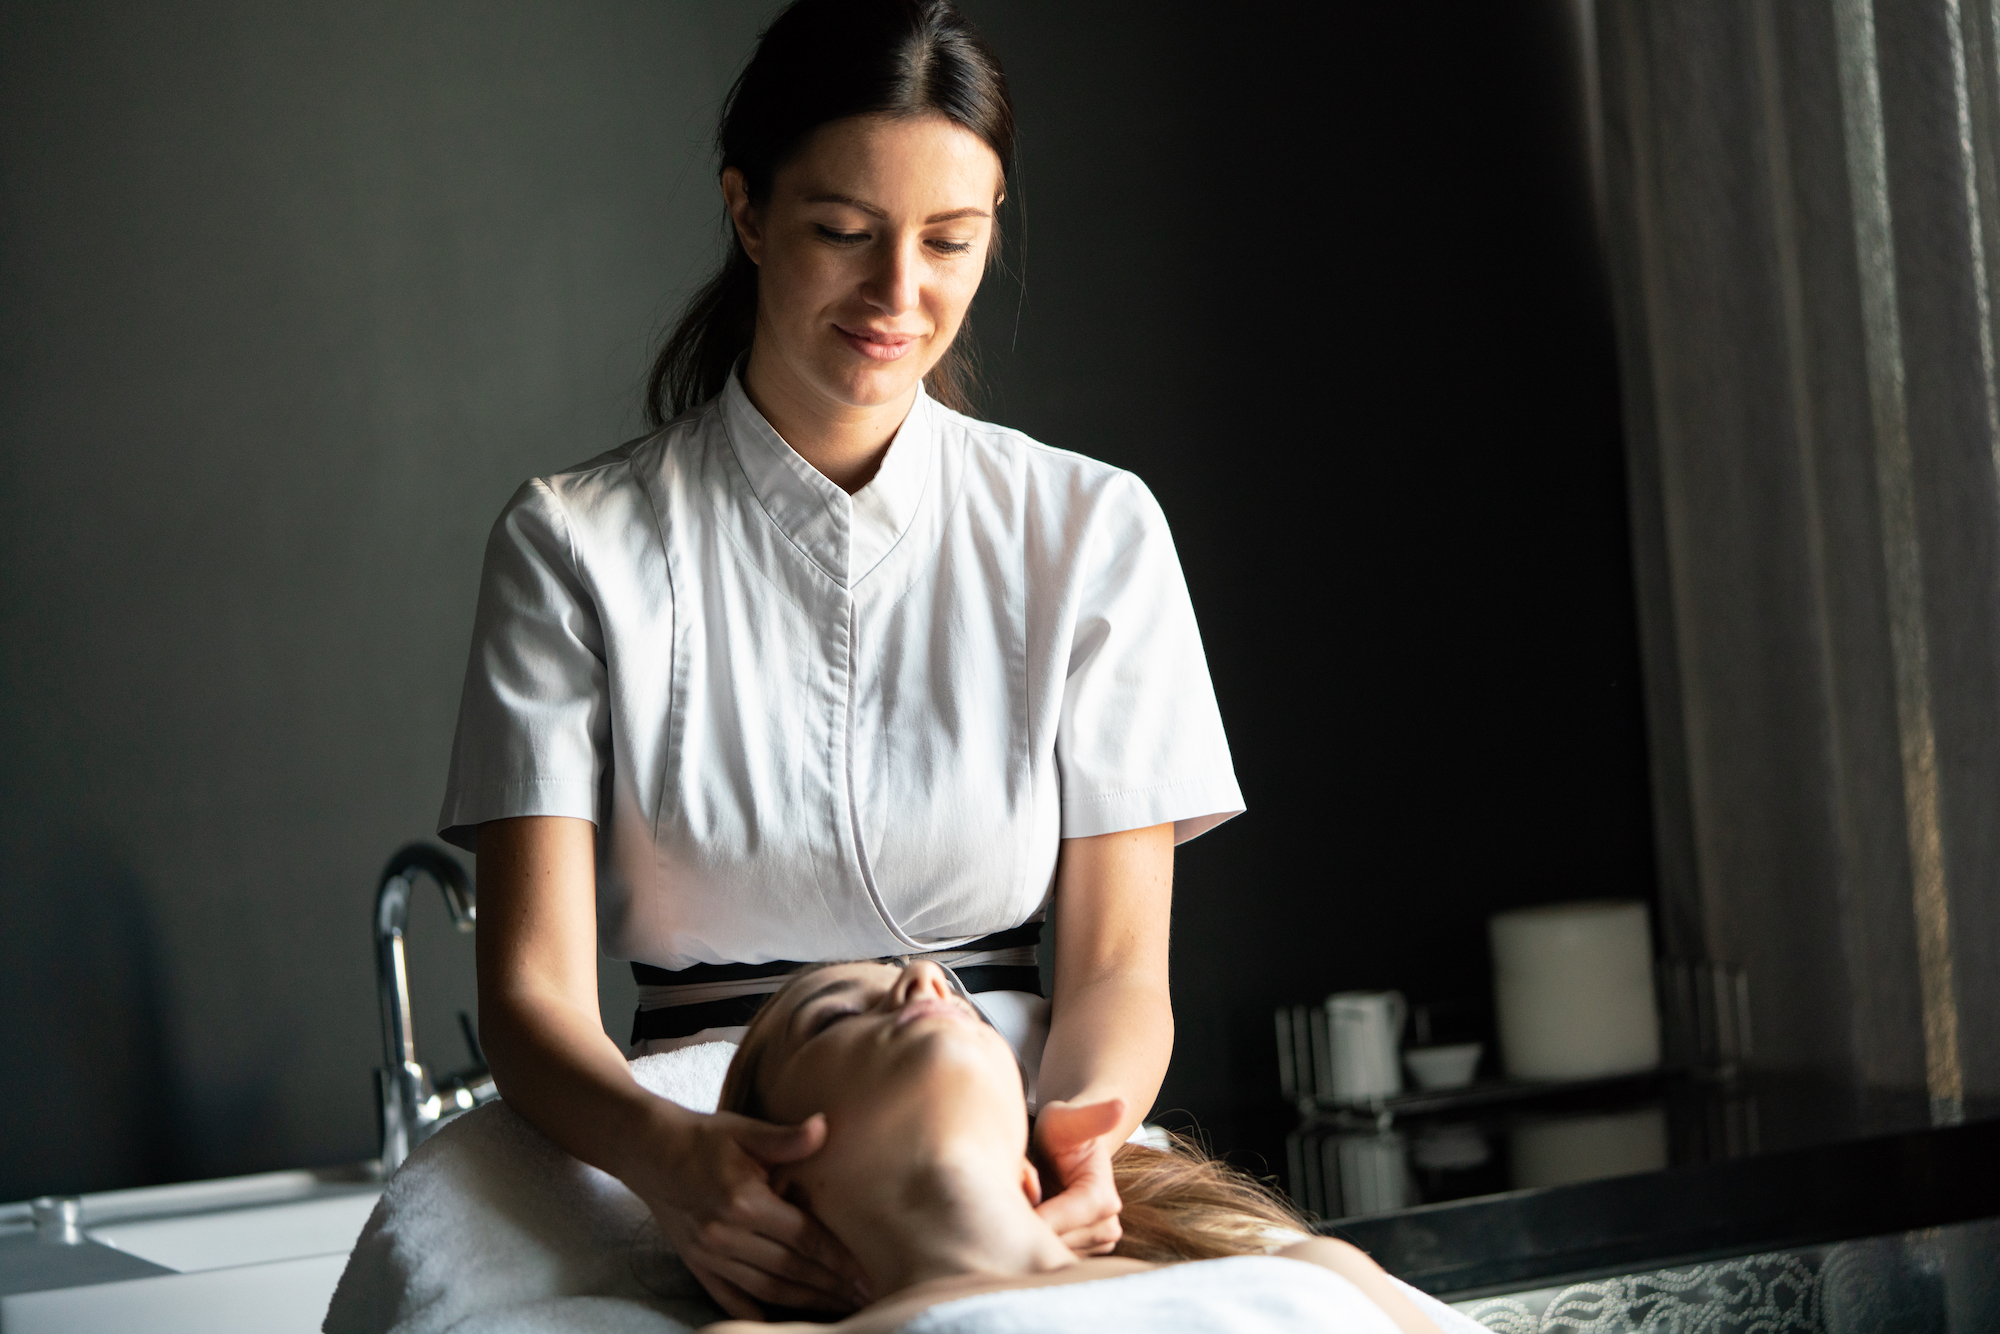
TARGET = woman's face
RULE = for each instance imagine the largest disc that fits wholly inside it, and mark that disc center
(879, 1049)
(868, 251)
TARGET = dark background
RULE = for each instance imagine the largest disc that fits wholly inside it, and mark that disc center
(292, 298)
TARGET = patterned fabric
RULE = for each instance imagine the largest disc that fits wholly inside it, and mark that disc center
(1760, 1294)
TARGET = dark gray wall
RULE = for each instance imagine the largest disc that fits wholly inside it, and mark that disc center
(290, 300)
(295, 296)
(1325, 276)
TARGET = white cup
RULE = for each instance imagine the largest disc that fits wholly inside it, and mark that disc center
(1364, 1031)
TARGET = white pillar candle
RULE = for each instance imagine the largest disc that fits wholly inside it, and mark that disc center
(1574, 986)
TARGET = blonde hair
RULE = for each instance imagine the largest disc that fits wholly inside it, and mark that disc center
(1179, 1203)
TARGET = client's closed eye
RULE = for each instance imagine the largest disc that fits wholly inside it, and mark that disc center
(830, 1016)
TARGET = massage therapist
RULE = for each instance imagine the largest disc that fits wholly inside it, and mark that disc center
(826, 668)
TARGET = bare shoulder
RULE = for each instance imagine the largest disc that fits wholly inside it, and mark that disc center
(1352, 1263)
(1330, 1253)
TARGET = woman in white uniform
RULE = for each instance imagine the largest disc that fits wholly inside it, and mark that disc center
(825, 668)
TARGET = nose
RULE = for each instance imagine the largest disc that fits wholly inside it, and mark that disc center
(920, 978)
(892, 287)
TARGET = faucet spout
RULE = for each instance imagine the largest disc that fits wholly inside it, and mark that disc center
(412, 1106)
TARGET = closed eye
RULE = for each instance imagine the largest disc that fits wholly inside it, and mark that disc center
(828, 1017)
(827, 233)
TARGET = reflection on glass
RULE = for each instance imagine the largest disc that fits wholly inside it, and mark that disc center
(1373, 1172)
(1343, 1171)
(1559, 1150)
(1450, 1148)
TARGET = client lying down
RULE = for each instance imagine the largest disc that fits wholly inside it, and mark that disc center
(924, 1176)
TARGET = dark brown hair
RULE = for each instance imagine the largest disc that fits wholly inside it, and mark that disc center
(821, 61)
(1179, 1203)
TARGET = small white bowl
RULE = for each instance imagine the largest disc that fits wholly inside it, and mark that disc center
(1449, 1067)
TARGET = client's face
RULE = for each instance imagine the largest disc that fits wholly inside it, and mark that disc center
(889, 1054)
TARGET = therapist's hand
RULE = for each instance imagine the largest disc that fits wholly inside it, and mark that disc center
(747, 1245)
(1072, 1150)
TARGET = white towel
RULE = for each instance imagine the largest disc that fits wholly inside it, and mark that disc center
(490, 1227)
(1449, 1320)
(1249, 1294)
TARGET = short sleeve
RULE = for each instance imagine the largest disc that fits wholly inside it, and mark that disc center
(533, 718)
(1140, 741)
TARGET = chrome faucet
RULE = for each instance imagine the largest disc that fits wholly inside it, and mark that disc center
(413, 1107)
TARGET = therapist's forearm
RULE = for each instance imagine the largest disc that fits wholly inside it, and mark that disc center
(1110, 1037)
(700, 1174)
(555, 1066)
(538, 1016)
(1111, 1028)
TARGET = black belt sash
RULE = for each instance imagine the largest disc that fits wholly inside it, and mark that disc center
(680, 1021)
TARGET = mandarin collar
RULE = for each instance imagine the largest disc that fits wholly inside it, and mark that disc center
(846, 536)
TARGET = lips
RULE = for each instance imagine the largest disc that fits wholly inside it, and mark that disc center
(923, 1007)
(877, 344)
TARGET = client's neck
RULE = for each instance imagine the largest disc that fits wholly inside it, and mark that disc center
(948, 1211)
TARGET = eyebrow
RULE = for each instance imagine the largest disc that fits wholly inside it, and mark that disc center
(870, 209)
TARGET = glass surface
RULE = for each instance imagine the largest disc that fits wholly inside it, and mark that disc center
(1339, 1165)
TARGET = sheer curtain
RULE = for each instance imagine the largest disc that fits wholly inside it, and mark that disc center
(1799, 209)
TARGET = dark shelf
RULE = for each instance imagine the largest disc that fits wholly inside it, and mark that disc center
(1486, 1093)
(1799, 1197)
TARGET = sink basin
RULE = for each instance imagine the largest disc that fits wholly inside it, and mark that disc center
(280, 1297)
(231, 1237)
(258, 1253)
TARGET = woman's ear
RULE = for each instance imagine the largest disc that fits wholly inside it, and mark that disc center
(1031, 1183)
(736, 195)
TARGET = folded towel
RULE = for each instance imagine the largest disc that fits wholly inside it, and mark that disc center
(691, 1076)
(490, 1227)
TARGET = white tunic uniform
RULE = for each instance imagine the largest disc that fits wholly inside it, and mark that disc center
(815, 726)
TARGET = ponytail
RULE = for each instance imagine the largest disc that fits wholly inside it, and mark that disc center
(714, 330)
